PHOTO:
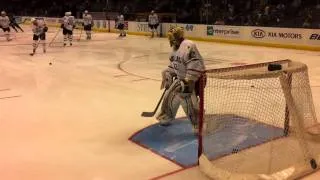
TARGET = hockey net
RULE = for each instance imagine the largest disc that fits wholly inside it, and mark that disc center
(257, 123)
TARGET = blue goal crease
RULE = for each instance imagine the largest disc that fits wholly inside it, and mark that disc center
(179, 144)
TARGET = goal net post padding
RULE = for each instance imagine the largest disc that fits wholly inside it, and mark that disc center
(267, 115)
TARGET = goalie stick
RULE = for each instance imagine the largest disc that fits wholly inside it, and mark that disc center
(151, 114)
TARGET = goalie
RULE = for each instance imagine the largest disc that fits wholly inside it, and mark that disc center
(180, 79)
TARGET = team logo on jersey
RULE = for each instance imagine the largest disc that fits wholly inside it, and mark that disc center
(315, 37)
(258, 33)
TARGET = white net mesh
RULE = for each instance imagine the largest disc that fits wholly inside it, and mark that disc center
(257, 123)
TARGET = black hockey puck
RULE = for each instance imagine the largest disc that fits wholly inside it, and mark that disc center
(274, 67)
(313, 164)
(50, 64)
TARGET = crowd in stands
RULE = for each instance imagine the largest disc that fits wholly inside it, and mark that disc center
(273, 13)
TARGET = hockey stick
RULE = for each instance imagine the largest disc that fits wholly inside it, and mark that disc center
(36, 47)
(151, 114)
(55, 36)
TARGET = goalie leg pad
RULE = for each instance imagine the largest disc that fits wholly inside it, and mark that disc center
(190, 106)
(170, 104)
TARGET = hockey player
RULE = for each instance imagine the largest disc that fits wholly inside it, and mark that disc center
(68, 24)
(4, 24)
(153, 23)
(120, 26)
(181, 79)
(87, 24)
(39, 29)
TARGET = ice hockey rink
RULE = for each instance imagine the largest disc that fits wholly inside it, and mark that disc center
(71, 120)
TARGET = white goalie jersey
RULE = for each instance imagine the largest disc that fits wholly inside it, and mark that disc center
(186, 62)
(68, 22)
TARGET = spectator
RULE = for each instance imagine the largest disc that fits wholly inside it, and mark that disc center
(308, 20)
(219, 21)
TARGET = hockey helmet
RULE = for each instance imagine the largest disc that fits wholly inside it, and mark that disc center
(176, 36)
(68, 13)
(86, 11)
(3, 13)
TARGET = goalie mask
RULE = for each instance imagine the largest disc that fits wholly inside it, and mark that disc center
(176, 36)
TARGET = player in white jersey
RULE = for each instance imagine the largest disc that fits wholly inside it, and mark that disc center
(153, 23)
(120, 26)
(87, 23)
(68, 24)
(181, 79)
(39, 29)
(5, 25)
